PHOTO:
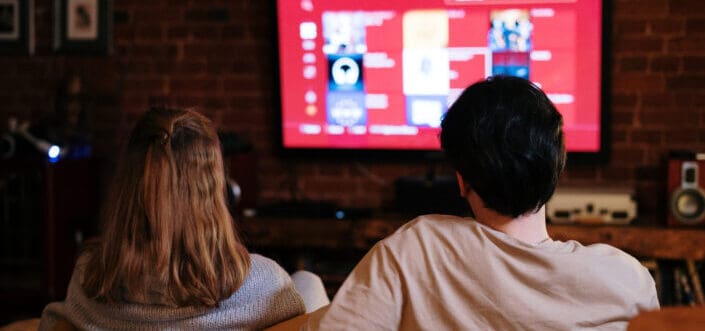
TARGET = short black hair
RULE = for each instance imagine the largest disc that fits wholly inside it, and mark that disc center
(505, 138)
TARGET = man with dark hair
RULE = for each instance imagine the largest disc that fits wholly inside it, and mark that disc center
(497, 270)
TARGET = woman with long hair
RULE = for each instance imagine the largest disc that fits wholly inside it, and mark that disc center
(169, 256)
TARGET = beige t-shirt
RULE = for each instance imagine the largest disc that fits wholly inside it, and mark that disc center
(442, 272)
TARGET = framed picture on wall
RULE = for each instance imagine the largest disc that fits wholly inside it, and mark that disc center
(16, 27)
(83, 26)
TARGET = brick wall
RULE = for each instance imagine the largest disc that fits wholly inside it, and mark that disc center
(217, 55)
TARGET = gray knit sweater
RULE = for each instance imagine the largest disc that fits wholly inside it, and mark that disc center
(266, 298)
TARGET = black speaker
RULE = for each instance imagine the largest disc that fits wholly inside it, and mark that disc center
(424, 195)
(686, 178)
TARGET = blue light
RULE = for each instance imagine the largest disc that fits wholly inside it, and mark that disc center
(339, 214)
(53, 153)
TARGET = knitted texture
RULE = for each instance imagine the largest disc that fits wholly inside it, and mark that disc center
(266, 297)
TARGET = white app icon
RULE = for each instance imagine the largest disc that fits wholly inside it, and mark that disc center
(310, 97)
(309, 72)
(307, 30)
(345, 71)
(307, 5)
(309, 58)
(308, 45)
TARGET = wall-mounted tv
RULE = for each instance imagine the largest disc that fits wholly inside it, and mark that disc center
(371, 75)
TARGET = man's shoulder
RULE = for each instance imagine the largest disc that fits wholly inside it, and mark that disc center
(608, 260)
(428, 233)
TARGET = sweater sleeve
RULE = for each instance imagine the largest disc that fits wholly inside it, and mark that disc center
(276, 298)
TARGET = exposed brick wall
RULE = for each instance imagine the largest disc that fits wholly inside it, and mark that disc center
(217, 55)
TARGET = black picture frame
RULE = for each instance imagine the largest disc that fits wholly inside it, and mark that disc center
(83, 26)
(16, 27)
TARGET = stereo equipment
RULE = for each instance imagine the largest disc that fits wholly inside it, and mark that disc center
(592, 206)
(243, 188)
(686, 178)
(415, 195)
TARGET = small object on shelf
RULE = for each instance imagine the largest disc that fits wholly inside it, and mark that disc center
(592, 206)
(697, 285)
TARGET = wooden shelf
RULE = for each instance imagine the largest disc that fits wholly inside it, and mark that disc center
(300, 233)
(652, 242)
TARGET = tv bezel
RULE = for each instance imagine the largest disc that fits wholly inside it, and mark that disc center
(598, 157)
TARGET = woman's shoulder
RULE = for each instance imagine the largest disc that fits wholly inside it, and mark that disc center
(266, 272)
(259, 263)
(266, 282)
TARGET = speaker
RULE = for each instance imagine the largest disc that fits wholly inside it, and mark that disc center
(243, 188)
(416, 195)
(686, 178)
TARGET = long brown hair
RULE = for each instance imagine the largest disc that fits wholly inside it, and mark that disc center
(166, 218)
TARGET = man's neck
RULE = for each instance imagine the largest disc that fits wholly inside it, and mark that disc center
(529, 228)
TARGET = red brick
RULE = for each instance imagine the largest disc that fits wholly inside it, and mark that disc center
(215, 51)
(657, 99)
(646, 136)
(332, 186)
(239, 83)
(686, 82)
(151, 33)
(686, 7)
(691, 43)
(633, 44)
(638, 8)
(693, 64)
(142, 84)
(694, 26)
(650, 172)
(630, 27)
(618, 173)
(666, 118)
(636, 82)
(156, 51)
(183, 85)
(632, 64)
(625, 156)
(124, 32)
(205, 33)
(211, 15)
(177, 32)
(138, 67)
(625, 100)
(576, 172)
(234, 31)
(618, 136)
(188, 67)
(668, 26)
(682, 136)
(150, 13)
(665, 64)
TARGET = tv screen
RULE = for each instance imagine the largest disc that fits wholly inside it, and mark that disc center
(379, 75)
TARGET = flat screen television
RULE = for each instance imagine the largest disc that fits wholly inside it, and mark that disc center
(372, 75)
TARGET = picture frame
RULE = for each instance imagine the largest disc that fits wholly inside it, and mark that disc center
(16, 27)
(83, 26)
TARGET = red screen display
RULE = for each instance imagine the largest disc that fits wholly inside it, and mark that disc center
(359, 74)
